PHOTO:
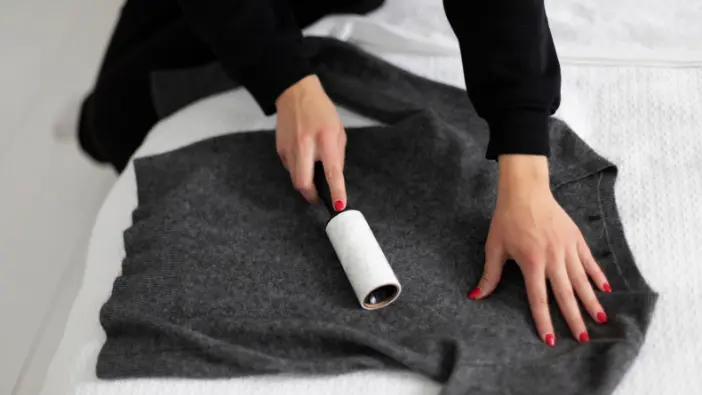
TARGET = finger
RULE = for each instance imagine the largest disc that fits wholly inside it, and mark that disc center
(303, 170)
(563, 292)
(492, 272)
(592, 268)
(332, 159)
(578, 278)
(284, 161)
(535, 281)
(341, 146)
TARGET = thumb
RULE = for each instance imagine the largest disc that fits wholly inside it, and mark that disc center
(492, 272)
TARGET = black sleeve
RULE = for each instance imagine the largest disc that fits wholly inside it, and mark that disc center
(258, 43)
(511, 70)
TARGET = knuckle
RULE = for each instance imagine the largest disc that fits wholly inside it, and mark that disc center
(552, 250)
(574, 236)
(332, 172)
(335, 182)
(328, 131)
(590, 262)
(565, 295)
(541, 300)
(582, 283)
(575, 233)
(300, 140)
(533, 259)
(300, 184)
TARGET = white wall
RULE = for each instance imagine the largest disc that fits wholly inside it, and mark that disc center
(49, 191)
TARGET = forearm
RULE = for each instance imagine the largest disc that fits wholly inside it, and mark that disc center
(257, 41)
(511, 70)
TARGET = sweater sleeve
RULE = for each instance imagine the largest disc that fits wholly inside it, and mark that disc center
(511, 70)
(258, 43)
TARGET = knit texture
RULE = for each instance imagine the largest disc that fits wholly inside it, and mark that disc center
(229, 273)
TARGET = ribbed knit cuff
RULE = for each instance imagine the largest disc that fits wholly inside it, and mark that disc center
(281, 66)
(518, 132)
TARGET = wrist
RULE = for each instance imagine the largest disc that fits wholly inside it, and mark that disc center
(523, 172)
(298, 90)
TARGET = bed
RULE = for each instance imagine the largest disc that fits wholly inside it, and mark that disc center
(632, 90)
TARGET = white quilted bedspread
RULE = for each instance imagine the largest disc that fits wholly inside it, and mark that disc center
(648, 121)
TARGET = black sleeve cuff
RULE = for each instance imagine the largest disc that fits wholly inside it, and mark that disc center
(518, 132)
(279, 67)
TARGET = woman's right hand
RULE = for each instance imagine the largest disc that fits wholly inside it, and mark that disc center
(308, 130)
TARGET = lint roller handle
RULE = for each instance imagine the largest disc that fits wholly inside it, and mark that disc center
(320, 182)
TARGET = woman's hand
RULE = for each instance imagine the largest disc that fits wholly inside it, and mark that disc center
(308, 129)
(530, 227)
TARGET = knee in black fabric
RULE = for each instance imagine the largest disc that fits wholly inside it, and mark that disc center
(86, 139)
(120, 114)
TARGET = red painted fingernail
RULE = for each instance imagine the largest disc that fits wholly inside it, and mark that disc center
(601, 317)
(338, 205)
(472, 295)
(550, 340)
(584, 337)
(607, 288)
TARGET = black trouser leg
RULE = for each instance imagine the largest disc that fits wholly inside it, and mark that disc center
(152, 35)
(115, 117)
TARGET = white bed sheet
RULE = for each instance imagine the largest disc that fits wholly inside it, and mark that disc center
(644, 32)
(647, 120)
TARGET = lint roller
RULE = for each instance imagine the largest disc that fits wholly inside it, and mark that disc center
(364, 263)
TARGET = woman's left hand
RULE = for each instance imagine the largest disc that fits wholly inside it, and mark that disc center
(530, 227)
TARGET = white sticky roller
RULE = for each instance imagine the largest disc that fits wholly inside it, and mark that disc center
(366, 267)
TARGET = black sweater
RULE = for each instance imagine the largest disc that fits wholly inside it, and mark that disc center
(510, 64)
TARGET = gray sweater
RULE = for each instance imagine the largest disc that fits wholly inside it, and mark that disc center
(228, 272)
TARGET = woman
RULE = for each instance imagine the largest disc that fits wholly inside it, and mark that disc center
(512, 76)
